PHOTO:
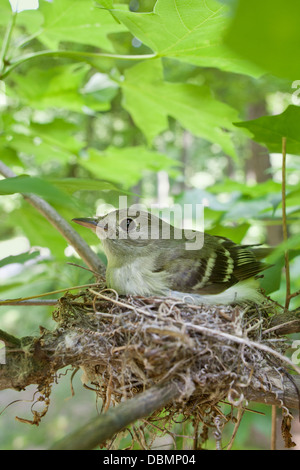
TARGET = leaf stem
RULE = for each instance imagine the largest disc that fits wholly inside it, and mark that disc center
(88, 57)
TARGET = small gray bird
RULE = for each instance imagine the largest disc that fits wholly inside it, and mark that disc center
(147, 256)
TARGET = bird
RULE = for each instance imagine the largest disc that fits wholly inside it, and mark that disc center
(147, 256)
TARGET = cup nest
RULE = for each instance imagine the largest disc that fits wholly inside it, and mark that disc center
(128, 344)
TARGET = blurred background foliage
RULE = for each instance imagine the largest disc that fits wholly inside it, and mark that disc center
(163, 105)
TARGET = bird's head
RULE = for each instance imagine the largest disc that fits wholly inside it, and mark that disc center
(126, 231)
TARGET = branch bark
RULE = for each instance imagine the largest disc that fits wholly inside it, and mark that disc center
(72, 237)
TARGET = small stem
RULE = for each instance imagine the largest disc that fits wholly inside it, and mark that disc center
(274, 429)
(31, 303)
(284, 225)
(236, 427)
(45, 294)
(295, 294)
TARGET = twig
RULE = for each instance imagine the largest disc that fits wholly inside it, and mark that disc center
(287, 271)
(274, 430)
(83, 267)
(292, 326)
(121, 304)
(241, 411)
(284, 225)
(31, 303)
(247, 342)
(295, 294)
(72, 237)
(45, 294)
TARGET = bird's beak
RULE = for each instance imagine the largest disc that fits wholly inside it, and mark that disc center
(87, 222)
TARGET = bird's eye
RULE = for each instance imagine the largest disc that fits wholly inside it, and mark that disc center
(127, 224)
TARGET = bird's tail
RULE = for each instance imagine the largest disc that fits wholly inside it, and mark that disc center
(261, 252)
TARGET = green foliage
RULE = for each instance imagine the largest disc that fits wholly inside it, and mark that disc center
(189, 31)
(150, 100)
(269, 130)
(18, 258)
(106, 3)
(58, 87)
(30, 184)
(126, 165)
(267, 33)
(76, 21)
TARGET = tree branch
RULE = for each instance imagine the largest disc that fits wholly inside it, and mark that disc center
(72, 237)
(104, 426)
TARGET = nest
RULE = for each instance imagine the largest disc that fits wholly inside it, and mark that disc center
(213, 353)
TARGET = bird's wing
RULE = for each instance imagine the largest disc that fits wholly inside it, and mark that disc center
(218, 265)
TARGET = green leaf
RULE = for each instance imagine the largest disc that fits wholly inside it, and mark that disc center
(211, 203)
(126, 165)
(9, 156)
(100, 87)
(22, 258)
(77, 21)
(5, 12)
(150, 101)
(269, 130)
(40, 147)
(189, 31)
(235, 233)
(56, 87)
(32, 185)
(38, 229)
(245, 210)
(293, 197)
(71, 185)
(292, 243)
(31, 20)
(59, 135)
(272, 277)
(267, 33)
(253, 190)
(106, 3)
(8, 286)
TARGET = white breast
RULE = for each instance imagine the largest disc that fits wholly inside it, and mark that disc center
(137, 278)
